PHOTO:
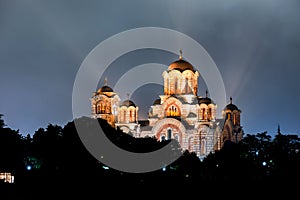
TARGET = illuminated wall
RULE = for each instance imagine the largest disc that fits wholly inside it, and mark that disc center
(7, 177)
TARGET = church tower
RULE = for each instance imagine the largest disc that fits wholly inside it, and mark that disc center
(128, 117)
(180, 78)
(232, 129)
(105, 104)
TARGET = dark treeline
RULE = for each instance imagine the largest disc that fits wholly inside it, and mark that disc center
(54, 159)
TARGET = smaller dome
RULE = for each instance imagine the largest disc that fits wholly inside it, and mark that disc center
(231, 107)
(205, 100)
(105, 88)
(128, 103)
(157, 102)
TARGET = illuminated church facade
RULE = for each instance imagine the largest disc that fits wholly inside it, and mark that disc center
(179, 113)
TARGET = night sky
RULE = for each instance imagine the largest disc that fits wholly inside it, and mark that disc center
(255, 45)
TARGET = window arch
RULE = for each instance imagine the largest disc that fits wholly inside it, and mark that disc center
(173, 111)
(100, 108)
(203, 114)
(168, 86)
(124, 115)
(234, 119)
(134, 116)
(209, 114)
(130, 116)
(175, 85)
(186, 85)
(203, 146)
(169, 133)
(228, 116)
(107, 109)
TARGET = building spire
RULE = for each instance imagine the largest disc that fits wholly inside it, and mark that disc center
(105, 81)
(180, 54)
(278, 130)
(206, 93)
(127, 96)
(230, 100)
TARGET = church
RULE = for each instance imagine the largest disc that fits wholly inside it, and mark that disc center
(179, 113)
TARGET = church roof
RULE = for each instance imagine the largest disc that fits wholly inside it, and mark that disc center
(186, 124)
(231, 107)
(181, 65)
(105, 88)
(128, 103)
(157, 102)
(205, 100)
(191, 115)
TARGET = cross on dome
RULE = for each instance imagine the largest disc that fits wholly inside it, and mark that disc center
(180, 54)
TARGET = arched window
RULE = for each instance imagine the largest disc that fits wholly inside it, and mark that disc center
(234, 119)
(228, 116)
(203, 149)
(203, 113)
(175, 86)
(134, 116)
(108, 108)
(173, 111)
(102, 107)
(124, 116)
(130, 116)
(186, 86)
(209, 114)
(169, 133)
(162, 138)
(98, 108)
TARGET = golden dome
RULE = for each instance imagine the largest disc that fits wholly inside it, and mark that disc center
(105, 88)
(181, 65)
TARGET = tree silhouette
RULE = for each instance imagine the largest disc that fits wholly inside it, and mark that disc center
(2, 124)
(11, 150)
(59, 159)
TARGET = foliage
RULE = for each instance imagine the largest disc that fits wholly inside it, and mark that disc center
(57, 154)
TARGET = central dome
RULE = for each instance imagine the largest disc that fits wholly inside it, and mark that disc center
(181, 65)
